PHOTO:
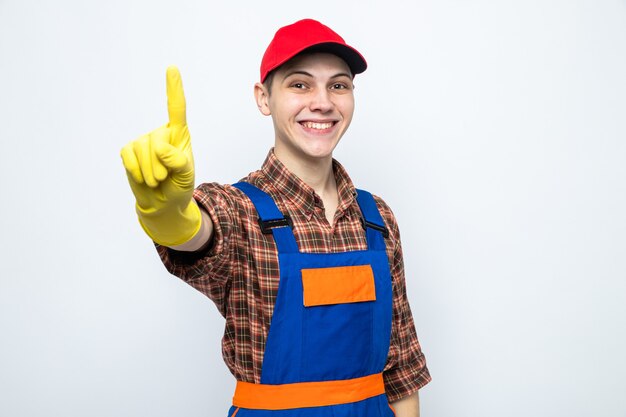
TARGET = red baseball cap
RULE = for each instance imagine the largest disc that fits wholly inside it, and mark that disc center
(309, 35)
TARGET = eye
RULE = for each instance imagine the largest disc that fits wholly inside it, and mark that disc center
(298, 85)
(340, 86)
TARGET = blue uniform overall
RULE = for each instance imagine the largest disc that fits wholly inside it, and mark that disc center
(329, 336)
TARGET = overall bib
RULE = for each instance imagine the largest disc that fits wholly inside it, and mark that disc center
(329, 336)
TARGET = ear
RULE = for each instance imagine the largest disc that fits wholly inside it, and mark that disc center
(262, 97)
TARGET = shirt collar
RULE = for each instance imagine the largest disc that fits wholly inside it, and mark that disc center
(299, 193)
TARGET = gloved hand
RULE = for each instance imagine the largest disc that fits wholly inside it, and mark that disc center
(160, 171)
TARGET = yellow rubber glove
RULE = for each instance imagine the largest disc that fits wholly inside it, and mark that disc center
(160, 171)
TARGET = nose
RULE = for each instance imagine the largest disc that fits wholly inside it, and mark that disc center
(321, 100)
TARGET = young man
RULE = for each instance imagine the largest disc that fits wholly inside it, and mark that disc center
(307, 270)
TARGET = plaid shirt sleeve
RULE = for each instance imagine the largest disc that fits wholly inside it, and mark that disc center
(405, 371)
(208, 270)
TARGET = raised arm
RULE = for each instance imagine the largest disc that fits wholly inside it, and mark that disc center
(160, 171)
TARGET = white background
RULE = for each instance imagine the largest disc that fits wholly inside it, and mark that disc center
(495, 129)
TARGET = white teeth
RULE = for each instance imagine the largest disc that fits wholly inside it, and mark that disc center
(319, 126)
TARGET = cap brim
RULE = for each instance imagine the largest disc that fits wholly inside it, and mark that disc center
(353, 58)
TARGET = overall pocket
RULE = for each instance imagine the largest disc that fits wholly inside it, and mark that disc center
(337, 328)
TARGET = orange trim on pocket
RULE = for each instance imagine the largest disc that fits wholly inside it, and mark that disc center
(307, 394)
(338, 285)
(392, 409)
(235, 413)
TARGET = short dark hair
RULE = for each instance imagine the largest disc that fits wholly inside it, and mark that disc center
(268, 82)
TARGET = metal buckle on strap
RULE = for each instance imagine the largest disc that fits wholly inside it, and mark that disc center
(382, 229)
(268, 225)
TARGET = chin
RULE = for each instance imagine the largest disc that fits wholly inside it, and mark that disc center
(319, 153)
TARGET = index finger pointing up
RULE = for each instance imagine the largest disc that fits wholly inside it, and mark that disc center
(176, 106)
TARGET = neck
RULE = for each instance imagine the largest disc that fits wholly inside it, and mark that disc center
(316, 173)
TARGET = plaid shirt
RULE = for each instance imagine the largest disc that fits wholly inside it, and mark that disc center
(240, 272)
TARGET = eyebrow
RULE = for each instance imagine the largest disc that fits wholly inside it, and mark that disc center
(302, 72)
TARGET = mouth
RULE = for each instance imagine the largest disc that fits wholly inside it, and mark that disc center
(318, 126)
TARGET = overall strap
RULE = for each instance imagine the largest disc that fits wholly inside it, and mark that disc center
(271, 220)
(373, 222)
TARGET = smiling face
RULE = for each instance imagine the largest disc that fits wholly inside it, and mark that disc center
(311, 102)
